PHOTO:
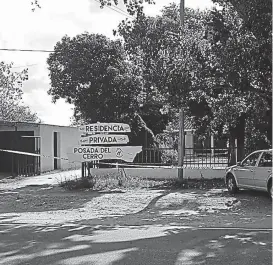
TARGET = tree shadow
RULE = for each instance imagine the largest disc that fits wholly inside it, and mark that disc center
(43, 198)
(77, 243)
(253, 193)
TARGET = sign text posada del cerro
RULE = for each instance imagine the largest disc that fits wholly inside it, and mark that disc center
(88, 153)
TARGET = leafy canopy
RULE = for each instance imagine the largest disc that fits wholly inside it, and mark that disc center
(92, 72)
(11, 105)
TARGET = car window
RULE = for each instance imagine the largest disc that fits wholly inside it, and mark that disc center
(251, 160)
(266, 160)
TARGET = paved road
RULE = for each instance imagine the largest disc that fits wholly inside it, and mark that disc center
(83, 244)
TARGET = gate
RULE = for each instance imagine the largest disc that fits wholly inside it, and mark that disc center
(193, 158)
(25, 165)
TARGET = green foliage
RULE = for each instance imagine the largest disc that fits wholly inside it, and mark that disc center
(92, 72)
(109, 182)
(155, 46)
(11, 104)
(133, 7)
(35, 4)
(78, 183)
(256, 14)
(218, 68)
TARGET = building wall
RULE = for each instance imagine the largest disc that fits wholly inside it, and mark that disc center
(11, 126)
(68, 138)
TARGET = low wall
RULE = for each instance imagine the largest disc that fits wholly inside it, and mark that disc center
(162, 173)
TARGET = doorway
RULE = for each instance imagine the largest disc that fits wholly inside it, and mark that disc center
(56, 150)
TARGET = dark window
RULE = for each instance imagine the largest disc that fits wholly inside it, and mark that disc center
(251, 160)
(266, 160)
(55, 150)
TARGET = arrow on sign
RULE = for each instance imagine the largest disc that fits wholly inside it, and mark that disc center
(91, 153)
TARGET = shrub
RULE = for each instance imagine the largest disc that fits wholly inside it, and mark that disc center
(78, 183)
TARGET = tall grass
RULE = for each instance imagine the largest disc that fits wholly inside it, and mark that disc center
(110, 181)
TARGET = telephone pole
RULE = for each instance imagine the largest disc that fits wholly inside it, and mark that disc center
(181, 145)
(181, 141)
(182, 8)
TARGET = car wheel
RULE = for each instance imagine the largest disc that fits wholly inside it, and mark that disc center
(231, 184)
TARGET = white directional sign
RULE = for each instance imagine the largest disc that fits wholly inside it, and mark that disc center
(105, 128)
(91, 153)
(104, 139)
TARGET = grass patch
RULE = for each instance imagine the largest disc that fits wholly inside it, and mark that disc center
(203, 184)
(77, 183)
(109, 182)
(119, 180)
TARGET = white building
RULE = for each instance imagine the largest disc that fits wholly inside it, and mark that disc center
(48, 140)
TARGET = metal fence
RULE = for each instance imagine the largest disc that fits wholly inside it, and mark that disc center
(212, 157)
(193, 158)
(25, 165)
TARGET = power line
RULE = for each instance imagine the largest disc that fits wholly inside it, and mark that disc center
(28, 65)
(116, 9)
(24, 50)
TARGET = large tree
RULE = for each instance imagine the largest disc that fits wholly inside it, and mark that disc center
(216, 69)
(242, 65)
(230, 87)
(91, 71)
(155, 45)
(12, 107)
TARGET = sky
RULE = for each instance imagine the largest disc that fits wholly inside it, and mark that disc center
(24, 29)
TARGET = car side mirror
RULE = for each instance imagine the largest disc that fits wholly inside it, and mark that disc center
(239, 163)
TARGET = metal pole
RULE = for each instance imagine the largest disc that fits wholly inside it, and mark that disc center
(181, 145)
(182, 13)
(181, 112)
(83, 169)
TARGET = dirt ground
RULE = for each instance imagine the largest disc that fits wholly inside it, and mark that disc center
(51, 204)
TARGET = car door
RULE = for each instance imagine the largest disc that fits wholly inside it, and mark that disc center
(245, 172)
(263, 170)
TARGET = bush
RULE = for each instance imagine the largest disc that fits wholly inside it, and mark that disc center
(78, 183)
(110, 181)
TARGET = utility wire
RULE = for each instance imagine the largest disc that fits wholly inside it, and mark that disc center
(24, 66)
(116, 9)
(24, 50)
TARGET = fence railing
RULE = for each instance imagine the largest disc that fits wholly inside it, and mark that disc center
(193, 158)
(211, 158)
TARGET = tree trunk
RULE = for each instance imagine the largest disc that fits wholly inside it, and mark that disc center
(232, 150)
(240, 136)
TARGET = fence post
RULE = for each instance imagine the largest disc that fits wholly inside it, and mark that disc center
(83, 169)
(236, 151)
(212, 144)
(181, 145)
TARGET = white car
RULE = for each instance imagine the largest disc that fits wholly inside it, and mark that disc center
(254, 172)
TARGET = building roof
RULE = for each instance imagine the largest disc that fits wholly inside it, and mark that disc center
(13, 123)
